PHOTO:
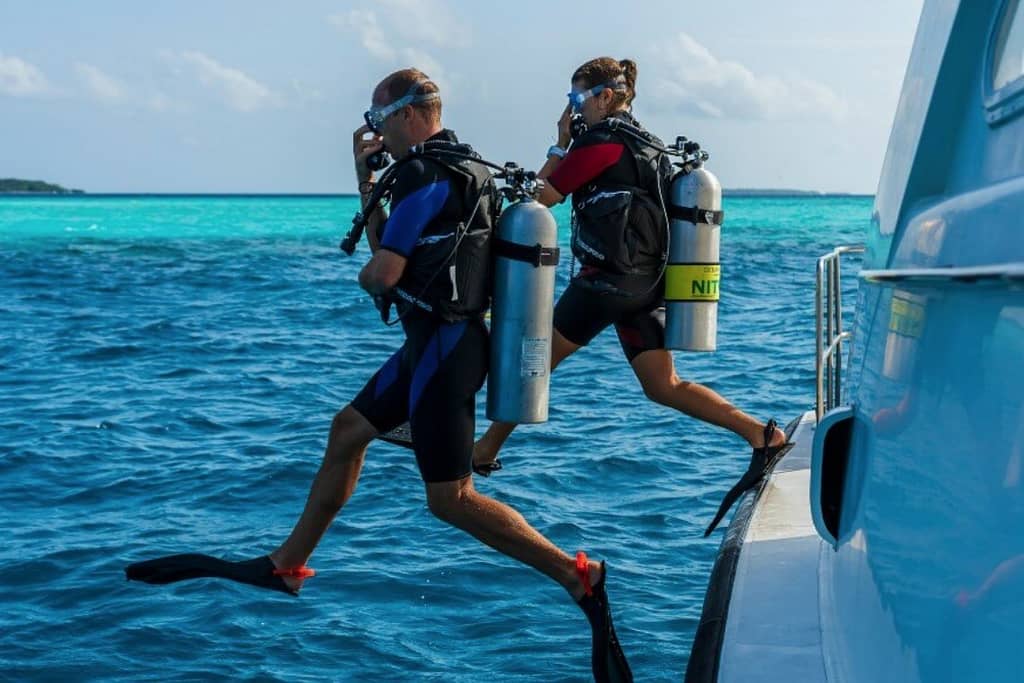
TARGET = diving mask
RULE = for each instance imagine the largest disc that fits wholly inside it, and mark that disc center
(578, 97)
(375, 116)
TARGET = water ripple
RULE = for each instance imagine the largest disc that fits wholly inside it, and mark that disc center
(170, 367)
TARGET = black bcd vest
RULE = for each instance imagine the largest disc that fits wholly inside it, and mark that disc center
(622, 229)
(450, 273)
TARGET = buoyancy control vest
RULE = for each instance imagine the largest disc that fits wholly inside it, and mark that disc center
(622, 228)
(450, 270)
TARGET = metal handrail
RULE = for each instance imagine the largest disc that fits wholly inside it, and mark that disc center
(828, 314)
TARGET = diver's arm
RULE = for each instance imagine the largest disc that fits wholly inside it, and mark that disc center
(549, 196)
(362, 148)
(373, 224)
(382, 272)
(586, 161)
(418, 196)
(550, 165)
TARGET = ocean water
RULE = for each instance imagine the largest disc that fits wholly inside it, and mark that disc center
(169, 367)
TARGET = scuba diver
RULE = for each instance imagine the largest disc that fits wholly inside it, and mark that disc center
(618, 183)
(431, 260)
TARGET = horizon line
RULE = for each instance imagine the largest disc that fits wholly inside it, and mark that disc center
(751, 192)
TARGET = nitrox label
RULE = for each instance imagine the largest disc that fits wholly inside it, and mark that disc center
(692, 281)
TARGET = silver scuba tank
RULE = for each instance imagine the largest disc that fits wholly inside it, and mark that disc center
(525, 246)
(693, 270)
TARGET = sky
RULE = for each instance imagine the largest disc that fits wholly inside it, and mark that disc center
(257, 96)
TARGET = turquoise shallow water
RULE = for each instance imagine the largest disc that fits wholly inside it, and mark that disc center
(168, 371)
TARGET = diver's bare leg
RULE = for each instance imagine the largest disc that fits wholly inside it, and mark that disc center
(332, 487)
(657, 374)
(504, 529)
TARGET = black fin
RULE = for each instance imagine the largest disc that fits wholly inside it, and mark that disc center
(488, 468)
(400, 436)
(607, 659)
(173, 568)
(761, 461)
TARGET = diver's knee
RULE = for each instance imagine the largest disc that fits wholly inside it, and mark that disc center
(350, 431)
(659, 391)
(446, 501)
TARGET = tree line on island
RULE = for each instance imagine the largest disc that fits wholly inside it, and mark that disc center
(19, 186)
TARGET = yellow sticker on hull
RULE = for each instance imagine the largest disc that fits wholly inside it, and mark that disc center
(906, 316)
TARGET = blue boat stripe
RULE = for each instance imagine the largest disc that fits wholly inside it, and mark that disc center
(411, 215)
(387, 374)
(440, 345)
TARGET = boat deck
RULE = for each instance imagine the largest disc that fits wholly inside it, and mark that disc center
(772, 625)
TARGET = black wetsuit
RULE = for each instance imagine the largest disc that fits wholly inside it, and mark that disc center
(598, 297)
(432, 380)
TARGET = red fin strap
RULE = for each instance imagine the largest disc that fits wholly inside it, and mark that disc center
(300, 572)
(583, 569)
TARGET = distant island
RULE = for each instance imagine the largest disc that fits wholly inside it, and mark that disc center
(760, 192)
(18, 186)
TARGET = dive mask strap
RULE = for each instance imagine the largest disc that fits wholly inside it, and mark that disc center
(375, 116)
(578, 97)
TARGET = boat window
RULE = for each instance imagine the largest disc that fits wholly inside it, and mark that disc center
(1008, 65)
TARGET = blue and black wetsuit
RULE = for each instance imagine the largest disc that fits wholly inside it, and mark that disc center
(432, 380)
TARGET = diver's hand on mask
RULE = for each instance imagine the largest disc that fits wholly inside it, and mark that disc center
(363, 147)
(564, 136)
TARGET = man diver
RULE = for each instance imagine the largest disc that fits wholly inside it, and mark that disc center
(431, 258)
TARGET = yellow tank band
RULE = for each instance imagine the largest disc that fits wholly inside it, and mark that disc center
(692, 281)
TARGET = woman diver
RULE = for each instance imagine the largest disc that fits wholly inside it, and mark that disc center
(619, 236)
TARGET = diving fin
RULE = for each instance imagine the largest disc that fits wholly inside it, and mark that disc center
(762, 460)
(607, 659)
(488, 468)
(258, 572)
(400, 436)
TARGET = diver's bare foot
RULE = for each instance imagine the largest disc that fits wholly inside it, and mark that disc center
(778, 438)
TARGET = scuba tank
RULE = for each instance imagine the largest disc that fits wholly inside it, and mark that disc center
(523, 291)
(694, 212)
(526, 253)
(693, 270)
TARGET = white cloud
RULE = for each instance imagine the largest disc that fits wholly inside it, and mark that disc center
(687, 77)
(423, 26)
(240, 91)
(364, 23)
(303, 92)
(426, 20)
(409, 22)
(159, 101)
(100, 84)
(18, 78)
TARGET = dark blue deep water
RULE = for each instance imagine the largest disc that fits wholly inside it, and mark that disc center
(168, 371)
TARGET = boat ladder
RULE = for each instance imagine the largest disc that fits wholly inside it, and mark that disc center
(828, 319)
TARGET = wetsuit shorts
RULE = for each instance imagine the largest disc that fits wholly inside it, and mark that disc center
(591, 303)
(431, 382)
